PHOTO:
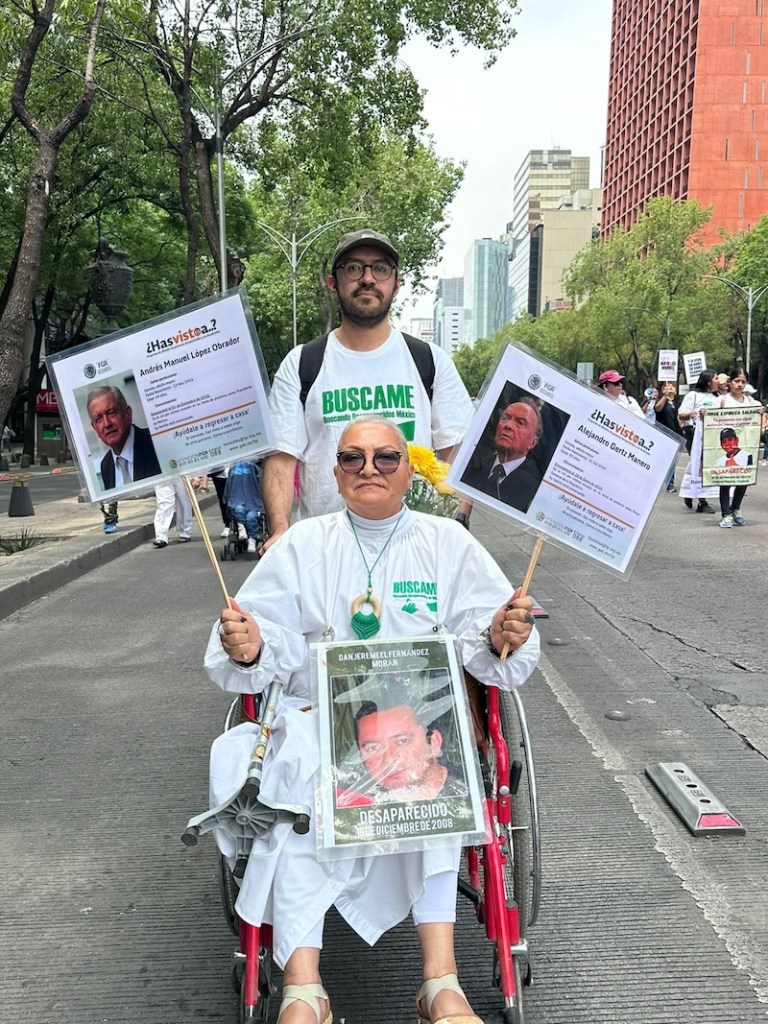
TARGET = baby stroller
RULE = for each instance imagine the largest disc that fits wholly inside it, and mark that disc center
(245, 513)
(237, 544)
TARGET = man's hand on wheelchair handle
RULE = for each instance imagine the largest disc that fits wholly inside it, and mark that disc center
(512, 623)
(240, 634)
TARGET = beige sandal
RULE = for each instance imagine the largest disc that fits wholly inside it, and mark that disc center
(309, 994)
(428, 993)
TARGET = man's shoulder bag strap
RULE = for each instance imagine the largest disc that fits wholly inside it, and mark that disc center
(311, 359)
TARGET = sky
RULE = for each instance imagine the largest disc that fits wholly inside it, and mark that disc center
(548, 88)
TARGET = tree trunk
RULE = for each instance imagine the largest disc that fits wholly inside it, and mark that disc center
(16, 314)
(209, 213)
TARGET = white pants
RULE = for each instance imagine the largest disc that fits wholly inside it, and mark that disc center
(172, 498)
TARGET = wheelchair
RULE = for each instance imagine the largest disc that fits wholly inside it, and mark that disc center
(501, 879)
(235, 545)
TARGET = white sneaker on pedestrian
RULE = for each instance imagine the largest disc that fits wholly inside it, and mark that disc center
(738, 519)
(224, 532)
(241, 532)
(726, 522)
(251, 545)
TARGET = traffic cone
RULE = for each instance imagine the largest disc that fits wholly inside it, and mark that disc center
(21, 500)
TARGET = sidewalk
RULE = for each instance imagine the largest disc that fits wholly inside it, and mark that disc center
(75, 542)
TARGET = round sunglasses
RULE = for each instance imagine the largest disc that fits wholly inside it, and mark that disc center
(385, 462)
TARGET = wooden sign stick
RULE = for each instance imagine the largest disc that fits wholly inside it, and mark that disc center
(526, 582)
(206, 539)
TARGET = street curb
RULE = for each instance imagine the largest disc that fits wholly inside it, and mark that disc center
(39, 583)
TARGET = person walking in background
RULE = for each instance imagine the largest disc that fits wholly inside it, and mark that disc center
(666, 416)
(611, 383)
(172, 498)
(8, 436)
(730, 504)
(109, 511)
(703, 395)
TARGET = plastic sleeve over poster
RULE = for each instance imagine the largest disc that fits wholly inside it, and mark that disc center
(174, 396)
(399, 769)
(564, 459)
(731, 446)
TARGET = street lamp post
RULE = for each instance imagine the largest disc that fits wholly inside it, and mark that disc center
(750, 296)
(219, 142)
(291, 249)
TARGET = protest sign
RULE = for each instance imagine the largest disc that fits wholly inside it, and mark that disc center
(731, 446)
(694, 363)
(398, 766)
(577, 467)
(668, 362)
(173, 396)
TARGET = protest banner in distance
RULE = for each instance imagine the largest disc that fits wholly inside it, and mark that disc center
(399, 769)
(668, 361)
(563, 458)
(694, 363)
(731, 446)
(172, 396)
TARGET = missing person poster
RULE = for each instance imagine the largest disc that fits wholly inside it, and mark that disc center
(731, 446)
(399, 768)
(173, 396)
(564, 458)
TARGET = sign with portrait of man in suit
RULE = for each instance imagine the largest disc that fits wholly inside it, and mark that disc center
(177, 395)
(560, 457)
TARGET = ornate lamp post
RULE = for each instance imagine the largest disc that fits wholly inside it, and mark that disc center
(111, 282)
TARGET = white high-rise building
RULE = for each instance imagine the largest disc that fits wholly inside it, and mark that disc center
(449, 314)
(543, 178)
(485, 289)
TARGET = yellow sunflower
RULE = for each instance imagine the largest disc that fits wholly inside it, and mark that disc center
(425, 463)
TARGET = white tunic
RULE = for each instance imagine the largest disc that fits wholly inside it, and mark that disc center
(383, 382)
(305, 584)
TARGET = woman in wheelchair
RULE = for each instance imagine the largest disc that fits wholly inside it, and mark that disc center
(314, 585)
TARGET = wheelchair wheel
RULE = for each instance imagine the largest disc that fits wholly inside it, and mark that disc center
(514, 1014)
(229, 889)
(259, 1012)
(526, 846)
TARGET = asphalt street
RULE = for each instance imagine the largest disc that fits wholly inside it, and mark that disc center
(109, 715)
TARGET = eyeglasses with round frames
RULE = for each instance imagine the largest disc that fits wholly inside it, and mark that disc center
(383, 462)
(355, 270)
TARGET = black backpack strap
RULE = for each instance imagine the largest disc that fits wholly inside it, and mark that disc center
(310, 361)
(421, 354)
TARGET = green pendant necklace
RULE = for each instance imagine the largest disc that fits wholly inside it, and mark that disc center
(367, 624)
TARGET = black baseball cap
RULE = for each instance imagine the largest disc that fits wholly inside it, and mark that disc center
(365, 236)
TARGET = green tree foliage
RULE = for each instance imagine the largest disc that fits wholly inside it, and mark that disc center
(475, 361)
(77, 26)
(641, 289)
(238, 62)
(746, 264)
(399, 187)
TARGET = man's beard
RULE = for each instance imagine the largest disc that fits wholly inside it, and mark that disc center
(365, 319)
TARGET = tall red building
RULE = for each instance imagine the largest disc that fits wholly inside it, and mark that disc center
(688, 109)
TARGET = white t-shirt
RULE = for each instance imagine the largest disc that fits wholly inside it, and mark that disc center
(350, 384)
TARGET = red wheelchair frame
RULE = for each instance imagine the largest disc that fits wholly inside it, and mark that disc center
(501, 878)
